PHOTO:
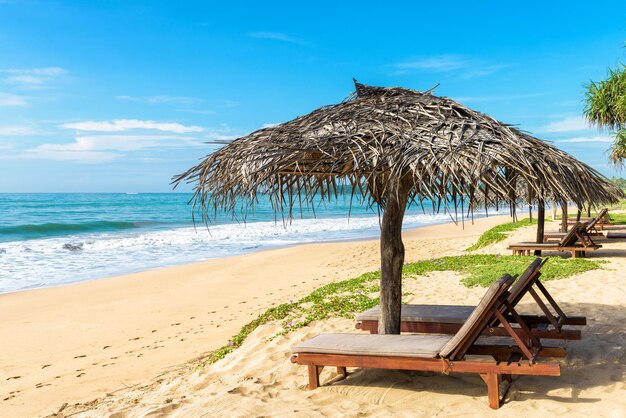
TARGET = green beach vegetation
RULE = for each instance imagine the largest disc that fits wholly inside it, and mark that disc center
(605, 107)
(348, 297)
(499, 233)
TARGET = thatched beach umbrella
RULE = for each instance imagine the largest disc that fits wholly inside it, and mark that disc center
(395, 146)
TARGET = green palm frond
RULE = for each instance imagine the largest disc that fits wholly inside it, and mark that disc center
(617, 153)
(605, 101)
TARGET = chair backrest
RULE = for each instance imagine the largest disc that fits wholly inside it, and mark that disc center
(584, 237)
(526, 280)
(572, 236)
(479, 319)
(591, 225)
(597, 219)
(604, 217)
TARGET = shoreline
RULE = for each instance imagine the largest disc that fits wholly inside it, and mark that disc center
(137, 270)
(76, 342)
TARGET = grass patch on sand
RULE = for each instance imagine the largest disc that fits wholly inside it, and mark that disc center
(618, 218)
(499, 233)
(349, 297)
(484, 269)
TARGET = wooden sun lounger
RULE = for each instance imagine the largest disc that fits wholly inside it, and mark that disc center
(448, 319)
(590, 228)
(567, 244)
(602, 219)
(438, 353)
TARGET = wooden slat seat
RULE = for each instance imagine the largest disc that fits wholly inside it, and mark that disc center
(427, 346)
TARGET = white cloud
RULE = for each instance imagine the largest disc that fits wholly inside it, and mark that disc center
(162, 99)
(436, 63)
(482, 71)
(277, 36)
(16, 130)
(32, 78)
(50, 152)
(268, 125)
(586, 139)
(12, 100)
(466, 68)
(222, 134)
(568, 124)
(104, 148)
(120, 125)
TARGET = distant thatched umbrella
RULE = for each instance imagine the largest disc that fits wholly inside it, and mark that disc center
(395, 146)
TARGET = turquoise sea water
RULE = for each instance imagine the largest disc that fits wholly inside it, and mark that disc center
(51, 239)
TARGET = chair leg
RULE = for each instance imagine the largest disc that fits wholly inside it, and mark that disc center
(341, 371)
(314, 376)
(493, 389)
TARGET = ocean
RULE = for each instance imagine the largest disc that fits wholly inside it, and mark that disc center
(53, 239)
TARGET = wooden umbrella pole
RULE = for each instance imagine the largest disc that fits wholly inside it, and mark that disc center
(530, 204)
(564, 219)
(392, 260)
(541, 216)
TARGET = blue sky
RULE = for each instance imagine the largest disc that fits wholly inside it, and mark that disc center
(118, 96)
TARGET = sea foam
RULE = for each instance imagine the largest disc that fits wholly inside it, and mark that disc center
(52, 261)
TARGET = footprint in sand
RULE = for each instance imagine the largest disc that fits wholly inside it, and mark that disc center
(81, 356)
(46, 365)
(106, 346)
(80, 375)
(14, 377)
(174, 324)
(134, 339)
(154, 330)
(40, 385)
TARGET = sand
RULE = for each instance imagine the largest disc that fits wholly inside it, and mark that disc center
(125, 346)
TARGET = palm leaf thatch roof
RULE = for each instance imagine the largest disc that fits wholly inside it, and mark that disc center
(380, 140)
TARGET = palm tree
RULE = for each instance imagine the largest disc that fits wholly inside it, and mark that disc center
(605, 107)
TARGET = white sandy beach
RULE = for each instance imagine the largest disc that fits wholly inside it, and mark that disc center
(126, 346)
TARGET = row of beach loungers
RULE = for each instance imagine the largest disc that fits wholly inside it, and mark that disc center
(577, 241)
(447, 335)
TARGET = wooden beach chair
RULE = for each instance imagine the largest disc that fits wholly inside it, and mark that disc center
(602, 219)
(567, 244)
(591, 228)
(448, 319)
(438, 353)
